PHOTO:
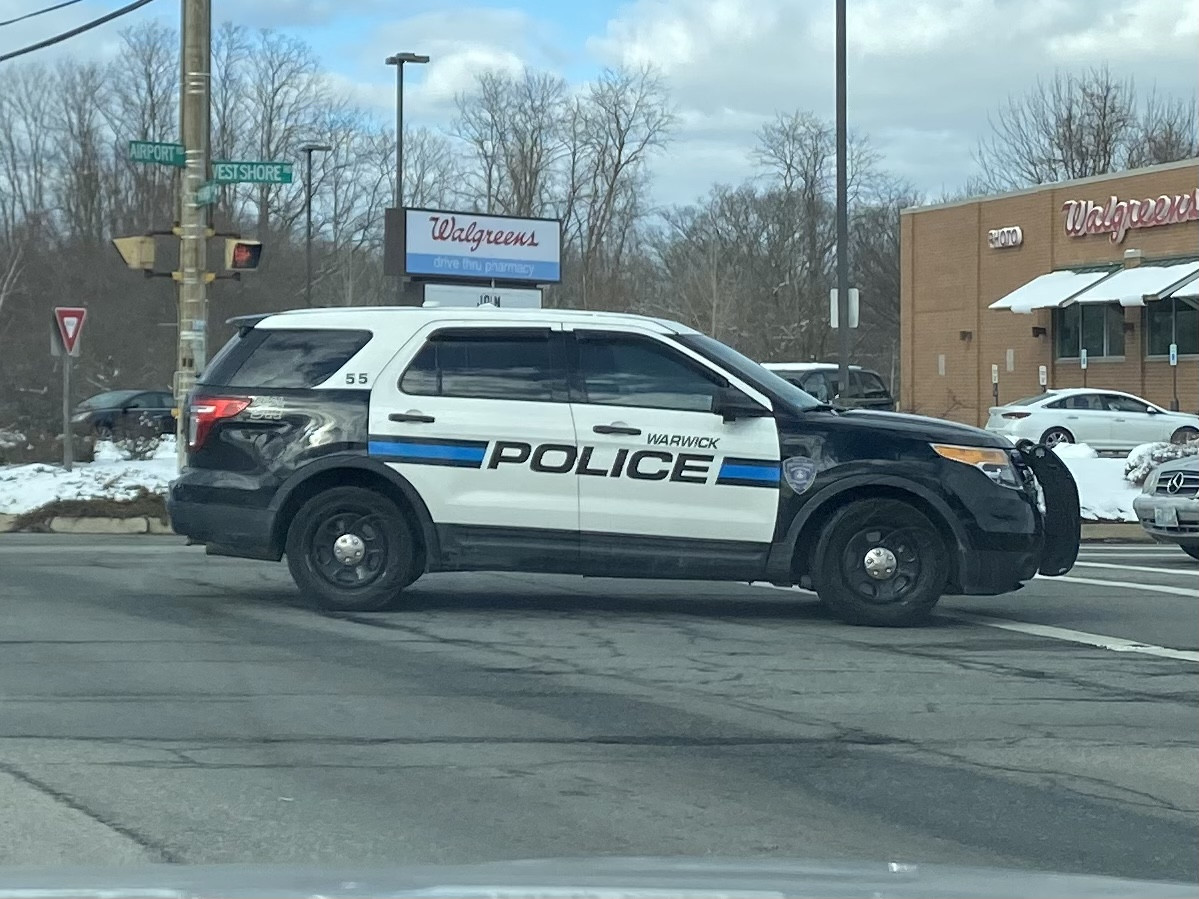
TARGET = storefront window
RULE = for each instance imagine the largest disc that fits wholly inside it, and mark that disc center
(1096, 327)
(1174, 320)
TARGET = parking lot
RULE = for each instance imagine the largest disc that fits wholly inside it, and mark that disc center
(164, 706)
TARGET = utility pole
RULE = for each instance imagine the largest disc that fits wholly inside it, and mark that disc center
(842, 212)
(195, 67)
(398, 61)
(308, 150)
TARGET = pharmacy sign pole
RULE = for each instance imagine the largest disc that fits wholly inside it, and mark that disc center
(69, 324)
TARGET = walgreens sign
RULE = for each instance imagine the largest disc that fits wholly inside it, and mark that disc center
(1117, 217)
(438, 242)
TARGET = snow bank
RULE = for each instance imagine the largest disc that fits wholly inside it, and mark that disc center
(27, 487)
(1103, 493)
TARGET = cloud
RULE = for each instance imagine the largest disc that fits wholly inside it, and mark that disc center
(922, 74)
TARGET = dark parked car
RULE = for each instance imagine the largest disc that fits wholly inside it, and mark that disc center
(118, 412)
(867, 389)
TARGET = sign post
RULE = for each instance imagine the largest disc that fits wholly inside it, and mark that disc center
(1174, 404)
(834, 317)
(995, 384)
(69, 320)
(1082, 363)
(1043, 377)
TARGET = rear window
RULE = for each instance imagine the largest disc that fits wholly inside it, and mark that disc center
(282, 359)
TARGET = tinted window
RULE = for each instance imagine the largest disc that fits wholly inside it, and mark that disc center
(818, 385)
(144, 401)
(1029, 400)
(113, 399)
(627, 371)
(484, 367)
(1173, 320)
(871, 384)
(283, 359)
(749, 371)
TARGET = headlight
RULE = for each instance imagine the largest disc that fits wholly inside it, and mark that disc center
(1150, 482)
(994, 463)
(78, 417)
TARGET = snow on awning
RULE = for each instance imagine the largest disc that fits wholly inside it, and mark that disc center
(1133, 286)
(1051, 290)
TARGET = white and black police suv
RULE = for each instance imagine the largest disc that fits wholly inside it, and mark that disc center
(372, 445)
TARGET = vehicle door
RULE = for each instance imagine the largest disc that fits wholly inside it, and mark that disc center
(662, 480)
(475, 417)
(1132, 422)
(1086, 417)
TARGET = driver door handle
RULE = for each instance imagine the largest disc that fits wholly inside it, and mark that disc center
(616, 429)
(411, 416)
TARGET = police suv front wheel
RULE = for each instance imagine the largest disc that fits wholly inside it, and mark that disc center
(351, 550)
(880, 562)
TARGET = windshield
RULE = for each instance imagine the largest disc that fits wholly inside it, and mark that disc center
(111, 399)
(750, 371)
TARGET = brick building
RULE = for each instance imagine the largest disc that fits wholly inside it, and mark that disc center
(1104, 269)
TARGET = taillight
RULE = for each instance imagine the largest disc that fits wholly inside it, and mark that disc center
(1016, 414)
(206, 411)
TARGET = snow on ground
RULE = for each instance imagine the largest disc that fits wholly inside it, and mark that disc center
(1103, 492)
(26, 487)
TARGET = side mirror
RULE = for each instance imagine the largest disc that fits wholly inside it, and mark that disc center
(730, 404)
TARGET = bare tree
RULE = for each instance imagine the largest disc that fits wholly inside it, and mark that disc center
(1080, 125)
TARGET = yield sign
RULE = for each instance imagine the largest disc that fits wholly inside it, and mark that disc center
(70, 321)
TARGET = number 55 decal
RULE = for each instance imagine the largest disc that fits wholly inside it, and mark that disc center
(355, 378)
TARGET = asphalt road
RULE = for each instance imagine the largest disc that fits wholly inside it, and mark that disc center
(158, 705)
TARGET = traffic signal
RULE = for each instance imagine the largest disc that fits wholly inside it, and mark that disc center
(242, 255)
(138, 252)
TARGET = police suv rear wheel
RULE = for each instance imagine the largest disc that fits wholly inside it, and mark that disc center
(880, 562)
(351, 550)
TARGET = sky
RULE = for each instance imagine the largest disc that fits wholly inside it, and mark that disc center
(922, 74)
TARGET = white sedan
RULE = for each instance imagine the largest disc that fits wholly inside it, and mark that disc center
(1104, 419)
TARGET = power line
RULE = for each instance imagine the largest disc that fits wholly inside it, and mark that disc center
(58, 39)
(30, 15)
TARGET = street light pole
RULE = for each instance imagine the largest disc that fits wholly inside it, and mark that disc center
(398, 61)
(308, 150)
(842, 212)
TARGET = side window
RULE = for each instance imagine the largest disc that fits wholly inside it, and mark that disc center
(1115, 403)
(142, 401)
(614, 370)
(1056, 404)
(1086, 402)
(872, 385)
(484, 366)
(299, 358)
(817, 385)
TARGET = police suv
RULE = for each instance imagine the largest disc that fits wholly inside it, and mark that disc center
(372, 445)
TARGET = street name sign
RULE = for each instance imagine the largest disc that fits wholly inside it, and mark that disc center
(162, 154)
(251, 172)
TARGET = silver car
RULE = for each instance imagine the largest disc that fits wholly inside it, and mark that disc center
(1168, 507)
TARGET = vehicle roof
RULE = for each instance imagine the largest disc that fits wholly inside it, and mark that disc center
(1058, 393)
(413, 317)
(806, 366)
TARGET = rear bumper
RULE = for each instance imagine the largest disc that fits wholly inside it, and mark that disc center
(225, 530)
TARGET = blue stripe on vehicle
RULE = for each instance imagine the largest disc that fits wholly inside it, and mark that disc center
(415, 451)
(745, 470)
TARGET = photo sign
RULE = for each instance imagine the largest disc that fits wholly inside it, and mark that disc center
(436, 243)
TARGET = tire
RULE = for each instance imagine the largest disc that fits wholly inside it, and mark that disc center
(1054, 436)
(1184, 435)
(1192, 551)
(902, 599)
(384, 536)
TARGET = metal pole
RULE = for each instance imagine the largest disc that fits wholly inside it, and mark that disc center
(399, 193)
(842, 212)
(195, 67)
(68, 439)
(308, 226)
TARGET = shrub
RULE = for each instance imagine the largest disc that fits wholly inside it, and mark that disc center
(1148, 456)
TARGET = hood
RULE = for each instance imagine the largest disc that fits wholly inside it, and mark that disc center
(1186, 463)
(922, 427)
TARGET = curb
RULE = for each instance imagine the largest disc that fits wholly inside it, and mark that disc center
(138, 524)
(1114, 532)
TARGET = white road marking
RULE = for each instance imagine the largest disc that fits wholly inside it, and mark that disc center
(1190, 573)
(1115, 644)
(1190, 592)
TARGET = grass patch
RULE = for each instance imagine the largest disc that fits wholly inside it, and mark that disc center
(143, 505)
